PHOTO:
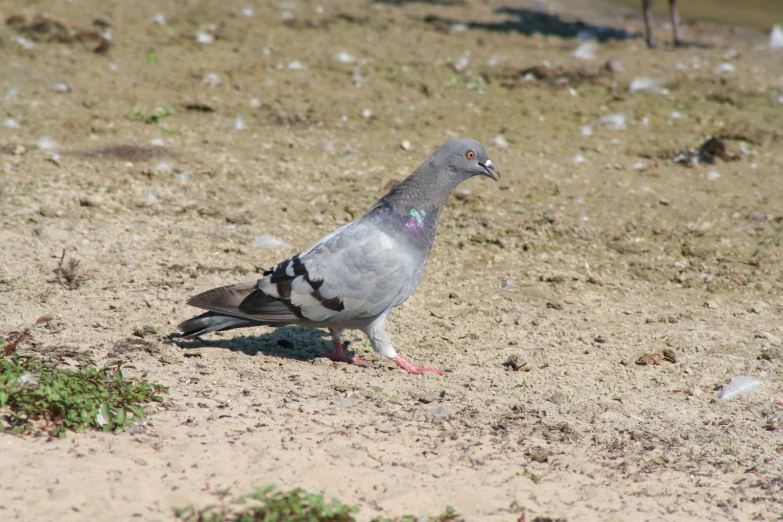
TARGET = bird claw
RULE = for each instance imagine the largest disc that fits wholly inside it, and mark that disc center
(341, 357)
(400, 361)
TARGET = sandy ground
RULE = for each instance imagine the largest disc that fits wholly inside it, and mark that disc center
(595, 248)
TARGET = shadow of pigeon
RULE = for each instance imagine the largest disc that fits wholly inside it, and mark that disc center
(528, 22)
(289, 342)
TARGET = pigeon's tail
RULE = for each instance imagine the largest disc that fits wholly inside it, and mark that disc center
(212, 322)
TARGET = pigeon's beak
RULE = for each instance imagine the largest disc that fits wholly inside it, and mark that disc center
(490, 170)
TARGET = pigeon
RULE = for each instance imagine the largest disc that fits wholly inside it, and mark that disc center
(648, 23)
(355, 276)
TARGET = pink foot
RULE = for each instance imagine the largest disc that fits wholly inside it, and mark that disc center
(412, 368)
(338, 352)
(341, 357)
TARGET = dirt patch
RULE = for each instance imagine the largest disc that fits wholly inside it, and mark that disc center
(291, 119)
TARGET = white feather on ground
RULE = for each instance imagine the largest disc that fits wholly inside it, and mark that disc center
(739, 386)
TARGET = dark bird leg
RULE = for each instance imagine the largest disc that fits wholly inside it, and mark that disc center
(648, 21)
(675, 23)
(400, 361)
(338, 351)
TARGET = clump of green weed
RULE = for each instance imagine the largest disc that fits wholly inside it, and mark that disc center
(39, 397)
(295, 505)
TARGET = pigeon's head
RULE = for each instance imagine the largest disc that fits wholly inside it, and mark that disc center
(465, 158)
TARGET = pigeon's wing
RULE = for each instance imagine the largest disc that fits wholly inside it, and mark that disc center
(357, 272)
(232, 299)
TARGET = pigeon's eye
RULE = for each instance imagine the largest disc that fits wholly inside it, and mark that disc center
(470, 154)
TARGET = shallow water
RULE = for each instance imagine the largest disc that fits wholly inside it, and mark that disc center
(762, 14)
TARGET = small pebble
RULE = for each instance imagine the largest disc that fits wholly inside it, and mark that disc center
(649, 359)
(436, 413)
(47, 143)
(61, 87)
(614, 65)
(517, 364)
(204, 37)
(239, 123)
(586, 51)
(776, 37)
(92, 200)
(211, 80)
(614, 121)
(500, 141)
(608, 416)
(148, 199)
(649, 85)
(349, 401)
(267, 240)
(344, 57)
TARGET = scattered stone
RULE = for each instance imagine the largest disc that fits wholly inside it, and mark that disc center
(62, 87)
(706, 153)
(615, 121)
(649, 359)
(776, 37)
(344, 57)
(555, 305)
(436, 413)
(614, 65)
(205, 38)
(211, 80)
(586, 50)
(539, 454)
(669, 355)
(149, 199)
(240, 123)
(349, 401)
(92, 200)
(267, 240)
(649, 85)
(517, 364)
(499, 141)
(608, 416)
(170, 359)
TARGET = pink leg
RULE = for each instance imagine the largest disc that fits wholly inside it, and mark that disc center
(412, 368)
(338, 353)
